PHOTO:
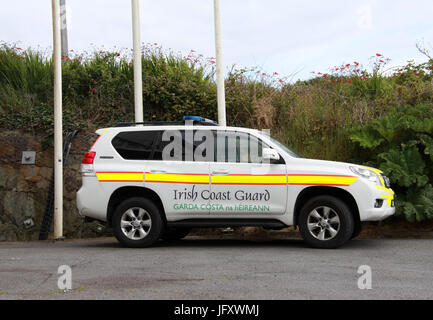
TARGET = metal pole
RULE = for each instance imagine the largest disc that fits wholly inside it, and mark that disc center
(64, 29)
(58, 152)
(221, 99)
(138, 84)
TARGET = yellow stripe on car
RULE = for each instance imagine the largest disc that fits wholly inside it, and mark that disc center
(120, 176)
(385, 189)
(390, 198)
(279, 179)
(331, 180)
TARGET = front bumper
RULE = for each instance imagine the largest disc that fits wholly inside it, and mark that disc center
(378, 214)
(370, 194)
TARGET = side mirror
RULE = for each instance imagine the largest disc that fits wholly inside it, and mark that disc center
(270, 154)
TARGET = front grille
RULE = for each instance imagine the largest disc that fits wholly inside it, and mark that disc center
(386, 181)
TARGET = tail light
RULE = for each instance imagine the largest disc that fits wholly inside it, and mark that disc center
(88, 157)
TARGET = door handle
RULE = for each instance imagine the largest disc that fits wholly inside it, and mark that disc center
(158, 171)
(220, 173)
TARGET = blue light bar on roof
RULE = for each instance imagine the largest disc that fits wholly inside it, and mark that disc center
(198, 118)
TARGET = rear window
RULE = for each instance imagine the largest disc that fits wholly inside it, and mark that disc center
(149, 145)
(135, 145)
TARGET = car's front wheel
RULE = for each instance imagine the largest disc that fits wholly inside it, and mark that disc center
(137, 223)
(326, 222)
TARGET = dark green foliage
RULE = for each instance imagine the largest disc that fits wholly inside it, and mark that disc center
(98, 89)
(401, 144)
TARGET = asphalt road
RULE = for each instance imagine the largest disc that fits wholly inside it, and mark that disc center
(196, 268)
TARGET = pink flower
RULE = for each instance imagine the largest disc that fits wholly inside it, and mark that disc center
(130, 63)
(325, 75)
(378, 55)
(212, 62)
(275, 73)
(94, 90)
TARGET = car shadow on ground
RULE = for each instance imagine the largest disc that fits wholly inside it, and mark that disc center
(196, 242)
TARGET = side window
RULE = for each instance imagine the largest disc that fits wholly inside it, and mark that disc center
(159, 146)
(239, 147)
(183, 145)
(135, 145)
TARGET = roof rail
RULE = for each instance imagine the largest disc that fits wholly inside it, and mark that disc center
(165, 123)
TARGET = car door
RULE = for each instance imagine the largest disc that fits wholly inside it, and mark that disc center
(176, 177)
(242, 183)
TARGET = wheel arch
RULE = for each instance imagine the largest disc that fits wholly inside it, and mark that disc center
(124, 193)
(314, 191)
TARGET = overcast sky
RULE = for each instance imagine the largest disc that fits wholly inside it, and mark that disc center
(276, 35)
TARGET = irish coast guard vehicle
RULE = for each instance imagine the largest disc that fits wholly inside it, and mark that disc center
(157, 180)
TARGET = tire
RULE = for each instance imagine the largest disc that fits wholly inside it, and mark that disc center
(144, 230)
(357, 229)
(324, 233)
(172, 234)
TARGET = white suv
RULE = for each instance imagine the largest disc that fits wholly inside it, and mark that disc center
(158, 180)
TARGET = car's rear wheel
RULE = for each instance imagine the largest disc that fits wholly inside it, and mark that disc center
(137, 223)
(326, 222)
(172, 234)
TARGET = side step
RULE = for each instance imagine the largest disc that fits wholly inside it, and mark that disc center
(222, 223)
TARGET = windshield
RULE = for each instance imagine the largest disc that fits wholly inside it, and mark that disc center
(282, 146)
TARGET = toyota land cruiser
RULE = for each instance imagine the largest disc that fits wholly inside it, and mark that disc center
(157, 180)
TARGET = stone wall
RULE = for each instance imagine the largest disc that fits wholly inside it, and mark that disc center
(24, 189)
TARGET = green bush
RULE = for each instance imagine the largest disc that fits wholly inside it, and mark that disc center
(401, 144)
(98, 88)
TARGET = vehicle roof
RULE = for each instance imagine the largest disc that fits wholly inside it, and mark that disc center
(173, 127)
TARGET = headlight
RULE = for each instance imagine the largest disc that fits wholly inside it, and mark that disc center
(366, 174)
